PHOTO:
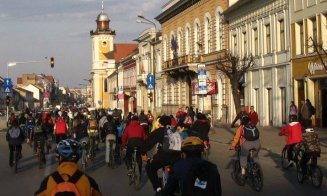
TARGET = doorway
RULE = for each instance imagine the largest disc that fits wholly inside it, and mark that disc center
(323, 85)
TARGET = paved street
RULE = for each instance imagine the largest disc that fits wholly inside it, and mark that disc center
(115, 182)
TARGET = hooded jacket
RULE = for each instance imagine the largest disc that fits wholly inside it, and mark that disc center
(293, 131)
(133, 130)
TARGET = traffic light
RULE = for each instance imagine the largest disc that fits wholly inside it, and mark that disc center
(52, 62)
(150, 96)
(8, 100)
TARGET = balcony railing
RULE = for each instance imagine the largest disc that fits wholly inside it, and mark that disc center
(179, 61)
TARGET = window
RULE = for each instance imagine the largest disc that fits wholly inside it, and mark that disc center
(208, 36)
(218, 32)
(235, 44)
(187, 40)
(179, 42)
(105, 84)
(256, 42)
(301, 38)
(314, 29)
(245, 44)
(197, 38)
(268, 41)
(282, 35)
(164, 55)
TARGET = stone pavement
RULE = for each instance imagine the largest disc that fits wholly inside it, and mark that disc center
(270, 141)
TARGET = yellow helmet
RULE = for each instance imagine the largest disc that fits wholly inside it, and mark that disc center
(192, 144)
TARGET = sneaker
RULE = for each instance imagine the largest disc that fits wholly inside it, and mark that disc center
(158, 191)
(130, 172)
(290, 164)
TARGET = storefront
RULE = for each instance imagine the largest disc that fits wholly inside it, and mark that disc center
(310, 82)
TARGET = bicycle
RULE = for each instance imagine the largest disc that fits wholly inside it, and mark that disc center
(111, 162)
(135, 177)
(285, 159)
(40, 154)
(84, 158)
(15, 159)
(253, 172)
(313, 171)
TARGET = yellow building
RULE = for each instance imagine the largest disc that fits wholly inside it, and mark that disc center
(193, 34)
(103, 62)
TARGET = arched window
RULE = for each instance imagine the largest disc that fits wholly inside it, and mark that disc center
(207, 35)
(187, 40)
(197, 40)
(218, 32)
(164, 51)
(179, 42)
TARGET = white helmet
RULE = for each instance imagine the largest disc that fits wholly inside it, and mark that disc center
(309, 130)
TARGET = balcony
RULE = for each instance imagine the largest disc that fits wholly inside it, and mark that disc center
(221, 54)
(182, 60)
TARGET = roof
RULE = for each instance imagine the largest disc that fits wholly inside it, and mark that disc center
(121, 50)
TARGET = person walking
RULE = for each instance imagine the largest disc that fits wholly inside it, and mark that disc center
(254, 116)
(306, 113)
(293, 110)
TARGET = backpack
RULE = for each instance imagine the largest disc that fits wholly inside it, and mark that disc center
(38, 129)
(120, 130)
(92, 124)
(202, 179)
(172, 140)
(250, 132)
(61, 127)
(66, 187)
(14, 133)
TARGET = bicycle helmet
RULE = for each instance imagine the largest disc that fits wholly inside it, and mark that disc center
(245, 119)
(69, 150)
(293, 118)
(192, 144)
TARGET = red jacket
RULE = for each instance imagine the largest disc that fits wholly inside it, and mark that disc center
(254, 118)
(133, 130)
(61, 126)
(293, 131)
(173, 122)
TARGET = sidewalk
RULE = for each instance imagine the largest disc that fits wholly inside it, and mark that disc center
(270, 141)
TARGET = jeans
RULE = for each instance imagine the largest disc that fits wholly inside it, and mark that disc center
(11, 152)
(109, 139)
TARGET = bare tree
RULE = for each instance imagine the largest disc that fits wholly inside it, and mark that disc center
(235, 68)
(317, 48)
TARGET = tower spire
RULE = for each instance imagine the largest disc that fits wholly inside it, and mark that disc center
(102, 6)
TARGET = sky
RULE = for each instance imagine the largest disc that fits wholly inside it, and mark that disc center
(31, 30)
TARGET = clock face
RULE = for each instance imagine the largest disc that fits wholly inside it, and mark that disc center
(103, 49)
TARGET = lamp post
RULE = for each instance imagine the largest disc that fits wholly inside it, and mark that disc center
(147, 21)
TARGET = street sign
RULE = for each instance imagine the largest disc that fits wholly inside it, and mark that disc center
(202, 79)
(7, 90)
(150, 80)
(7, 82)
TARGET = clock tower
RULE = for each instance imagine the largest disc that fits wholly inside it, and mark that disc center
(103, 62)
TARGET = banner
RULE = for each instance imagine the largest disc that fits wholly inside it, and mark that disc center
(212, 88)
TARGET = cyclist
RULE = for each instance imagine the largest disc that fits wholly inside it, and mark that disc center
(110, 133)
(293, 130)
(68, 153)
(311, 148)
(182, 129)
(163, 157)
(60, 128)
(92, 130)
(134, 136)
(201, 127)
(143, 119)
(29, 126)
(15, 137)
(246, 142)
(192, 147)
(40, 135)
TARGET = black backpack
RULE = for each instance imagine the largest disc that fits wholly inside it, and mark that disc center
(202, 179)
(250, 132)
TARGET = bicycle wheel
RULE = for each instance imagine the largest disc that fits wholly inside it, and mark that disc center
(112, 158)
(257, 177)
(137, 176)
(84, 160)
(284, 159)
(316, 176)
(299, 173)
(40, 158)
(16, 161)
(236, 174)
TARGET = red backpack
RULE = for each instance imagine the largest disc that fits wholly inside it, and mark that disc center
(61, 127)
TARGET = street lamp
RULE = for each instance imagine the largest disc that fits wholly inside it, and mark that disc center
(147, 21)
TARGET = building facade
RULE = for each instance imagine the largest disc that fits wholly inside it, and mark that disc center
(193, 33)
(309, 57)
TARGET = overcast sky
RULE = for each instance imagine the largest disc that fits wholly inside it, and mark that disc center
(34, 29)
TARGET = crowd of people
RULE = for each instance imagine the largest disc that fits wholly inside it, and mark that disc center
(179, 141)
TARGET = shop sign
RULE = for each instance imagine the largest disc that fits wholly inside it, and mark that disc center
(211, 88)
(313, 67)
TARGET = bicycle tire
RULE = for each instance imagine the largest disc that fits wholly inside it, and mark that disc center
(236, 175)
(112, 159)
(84, 160)
(316, 176)
(137, 175)
(257, 177)
(299, 174)
(284, 159)
(16, 161)
(40, 157)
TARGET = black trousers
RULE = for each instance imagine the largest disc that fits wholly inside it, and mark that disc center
(152, 170)
(60, 137)
(128, 158)
(11, 152)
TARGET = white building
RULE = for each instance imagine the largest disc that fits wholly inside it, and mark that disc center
(262, 29)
